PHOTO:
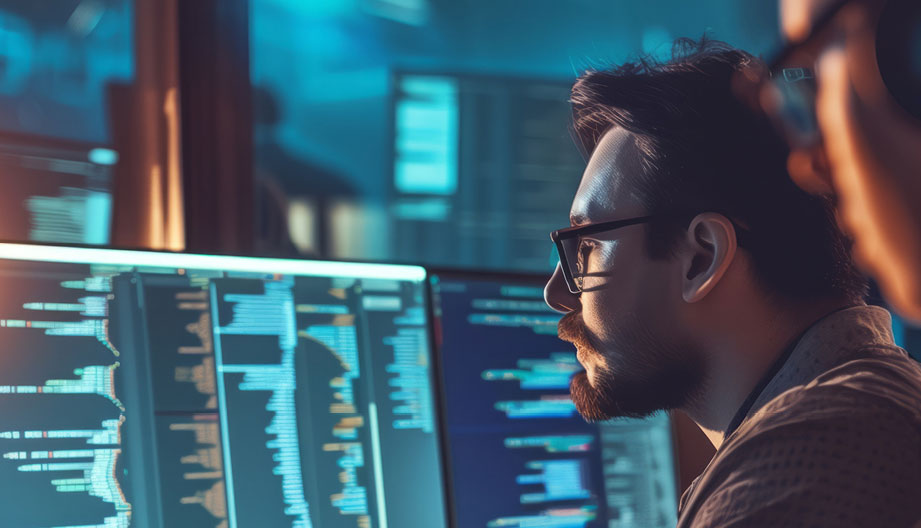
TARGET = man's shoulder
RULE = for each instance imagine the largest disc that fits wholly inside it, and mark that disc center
(863, 402)
(879, 379)
(824, 471)
(846, 446)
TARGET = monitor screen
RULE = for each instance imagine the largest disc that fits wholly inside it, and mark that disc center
(518, 453)
(55, 191)
(165, 390)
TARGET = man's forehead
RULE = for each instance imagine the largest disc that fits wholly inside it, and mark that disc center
(608, 184)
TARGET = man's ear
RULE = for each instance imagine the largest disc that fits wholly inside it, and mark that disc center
(711, 246)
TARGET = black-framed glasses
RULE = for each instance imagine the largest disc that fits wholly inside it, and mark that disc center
(574, 253)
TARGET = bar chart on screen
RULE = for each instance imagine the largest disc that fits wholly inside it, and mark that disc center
(135, 391)
(74, 457)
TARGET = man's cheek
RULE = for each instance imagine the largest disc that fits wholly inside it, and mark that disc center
(596, 315)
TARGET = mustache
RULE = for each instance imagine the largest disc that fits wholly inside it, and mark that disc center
(571, 328)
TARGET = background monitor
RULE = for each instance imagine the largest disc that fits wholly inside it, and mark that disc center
(166, 390)
(517, 452)
(55, 190)
(479, 165)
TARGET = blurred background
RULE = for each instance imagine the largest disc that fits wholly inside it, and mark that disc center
(424, 131)
(416, 131)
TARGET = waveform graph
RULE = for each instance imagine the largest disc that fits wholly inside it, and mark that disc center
(255, 342)
(348, 427)
(96, 475)
(92, 379)
(203, 377)
(401, 408)
(352, 500)
(212, 500)
(76, 353)
(340, 340)
(340, 428)
(61, 411)
(181, 342)
(70, 457)
(191, 460)
(409, 372)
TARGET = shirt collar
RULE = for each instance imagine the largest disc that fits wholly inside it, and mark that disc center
(833, 340)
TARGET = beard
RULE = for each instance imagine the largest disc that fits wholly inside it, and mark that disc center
(642, 373)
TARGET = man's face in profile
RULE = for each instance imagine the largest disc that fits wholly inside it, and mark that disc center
(624, 323)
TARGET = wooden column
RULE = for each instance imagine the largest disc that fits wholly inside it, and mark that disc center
(216, 101)
(148, 209)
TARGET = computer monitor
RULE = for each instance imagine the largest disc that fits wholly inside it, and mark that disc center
(479, 165)
(54, 190)
(517, 452)
(174, 390)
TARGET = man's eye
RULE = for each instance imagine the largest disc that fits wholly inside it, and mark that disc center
(585, 248)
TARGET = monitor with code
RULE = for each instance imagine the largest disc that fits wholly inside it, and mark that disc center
(165, 390)
(518, 453)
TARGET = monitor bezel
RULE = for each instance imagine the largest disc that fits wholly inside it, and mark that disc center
(420, 272)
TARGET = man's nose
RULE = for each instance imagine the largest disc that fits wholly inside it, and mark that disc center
(557, 294)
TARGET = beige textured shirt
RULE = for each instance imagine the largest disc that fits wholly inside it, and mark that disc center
(834, 440)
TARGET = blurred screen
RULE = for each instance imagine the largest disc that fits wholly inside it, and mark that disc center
(59, 64)
(519, 454)
(56, 190)
(480, 166)
(438, 132)
(166, 390)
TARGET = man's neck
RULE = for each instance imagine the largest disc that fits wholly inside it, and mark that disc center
(743, 355)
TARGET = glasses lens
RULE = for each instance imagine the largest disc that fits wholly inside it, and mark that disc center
(569, 258)
(790, 97)
(786, 90)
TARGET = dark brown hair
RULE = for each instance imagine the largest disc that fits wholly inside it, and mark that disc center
(702, 149)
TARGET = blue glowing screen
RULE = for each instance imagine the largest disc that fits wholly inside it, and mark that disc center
(157, 390)
(519, 454)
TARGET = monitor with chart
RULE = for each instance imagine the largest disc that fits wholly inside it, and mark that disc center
(517, 452)
(164, 390)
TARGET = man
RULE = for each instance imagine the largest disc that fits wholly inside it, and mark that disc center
(698, 277)
(867, 59)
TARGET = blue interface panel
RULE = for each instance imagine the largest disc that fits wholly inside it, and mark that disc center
(156, 390)
(519, 454)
